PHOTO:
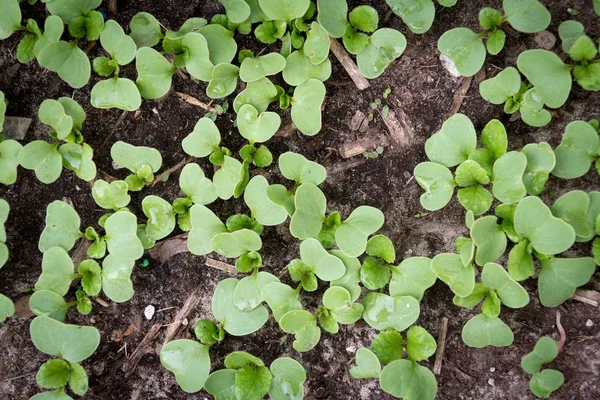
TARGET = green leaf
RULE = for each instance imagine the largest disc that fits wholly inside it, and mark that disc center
(385, 45)
(79, 158)
(326, 266)
(508, 186)
(351, 236)
(304, 325)
(68, 60)
(145, 30)
(161, 217)
(418, 15)
(234, 321)
(53, 374)
(53, 30)
(205, 225)
(288, 379)
(111, 196)
(495, 42)
(316, 47)
(69, 9)
(367, 365)
(259, 93)
(412, 277)
(247, 295)
(263, 210)
(7, 308)
(479, 293)
(43, 158)
(351, 277)
(453, 143)
(475, 198)
(490, 18)
(355, 42)
(569, 31)
(306, 106)
(489, 239)
(299, 69)
(388, 346)
(222, 47)
(56, 339)
(257, 128)
(223, 81)
(189, 361)
(572, 208)
(577, 150)
(204, 139)
(196, 55)
(78, 382)
(332, 16)
(285, 10)
(62, 227)
(116, 279)
(155, 73)
(532, 109)
(409, 380)
(545, 351)
(465, 48)
(10, 20)
(364, 18)
(502, 87)
(548, 74)
(438, 183)
(121, 236)
(227, 177)
(511, 294)
(450, 269)
(9, 159)
(470, 173)
(196, 186)
(587, 76)
(220, 384)
(48, 303)
(482, 331)
(381, 246)
(91, 278)
(237, 11)
(121, 93)
(491, 305)
(269, 31)
(540, 161)
(547, 234)
(560, 277)
(520, 262)
(583, 49)
(384, 312)
(281, 299)
(235, 244)
(544, 383)
(308, 218)
(420, 345)
(117, 44)
(135, 157)
(252, 382)
(296, 167)
(57, 394)
(596, 250)
(52, 113)
(255, 68)
(528, 16)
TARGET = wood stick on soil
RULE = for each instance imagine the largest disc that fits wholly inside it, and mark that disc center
(590, 297)
(169, 171)
(220, 265)
(145, 347)
(182, 314)
(561, 330)
(459, 96)
(195, 102)
(357, 147)
(119, 122)
(441, 347)
(344, 58)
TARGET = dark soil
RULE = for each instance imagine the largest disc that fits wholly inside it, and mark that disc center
(424, 90)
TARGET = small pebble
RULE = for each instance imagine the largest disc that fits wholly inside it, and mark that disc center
(149, 312)
(493, 369)
(545, 39)
(491, 381)
(589, 323)
(351, 349)
(184, 322)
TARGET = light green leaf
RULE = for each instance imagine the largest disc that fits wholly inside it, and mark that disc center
(507, 179)
(222, 47)
(9, 159)
(68, 60)
(475, 198)
(364, 18)
(263, 210)
(234, 244)
(577, 150)
(520, 261)
(121, 93)
(412, 277)
(299, 69)
(227, 177)
(56, 339)
(351, 237)
(288, 379)
(304, 325)
(332, 16)
(284, 10)
(252, 382)
(326, 266)
(116, 279)
(223, 81)
(247, 295)
(197, 61)
(306, 106)
(57, 394)
(381, 246)
(308, 218)
(418, 15)
(495, 42)
(450, 269)
(121, 236)
(385, 312)
(155, 73)
(110, 196)
(237, 11)
(204, 139)
(569, 31)
(465, 48)
(10, 19)
(545, 350)
(544, 383)
(453, 143)
(234, 321)
(528, 16)
(161, 217)
(91, 279)
(351, 277)
(196, 186)
(408, 380)
(316, 47)
(420, 345)
(7, 308)
(540, 161)
(297, 168)
(259, 93)
(479, 293)
(189, 361)
(367, 365)
(470, 173)
(62, 227)
(220, 384)
(48, 303)
(69, 9)
(117, 44)
(257, 128)
(550, 76)
(53, 374)
(78, 381)
(53, 30)
(385, 45)
(560, 277)
(438, 182)
(255, 68)
(489, 239)
(511, 294)
(52, 113)
(135, 157)
(205, 225)
(502, 87)
(43, 158)
(482, 331)
(145, 30)
(281, 299)
(572, 208)
(532, 109)
(388, 346)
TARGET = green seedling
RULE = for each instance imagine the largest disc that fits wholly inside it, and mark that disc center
(198, 190)
(111, 196)
(338, 308)
(543, 381)
(145, 30)
(412, 277)
(578, 150)
(66, 119)
(247, 377)
(376, 269)
(205, 141)
(189, 361)
(315, 262)
(71, 344)
(143, 162)
(468, 52)
(7, 308)
(304, 326)
(121, 93)
(583, 51)
(402, 378)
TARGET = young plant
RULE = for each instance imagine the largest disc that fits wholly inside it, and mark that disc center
(198, 190)
(205, 141)
(402, 378)
(418, 15)
(66, 119)
(338, 308)
(121, 93)
(142, 161)
(578, 150)
(71, 344)
(7, 308)
(247, 378)
(544, 381)
(466, 48)
(583, 51)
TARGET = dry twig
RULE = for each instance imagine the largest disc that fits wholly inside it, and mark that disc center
(561, 330)
(182, 314)
(220, 265)
(441, 347)
(169, 171)
(460, 95)
(195, 102)
(340, 53)
(145, 347)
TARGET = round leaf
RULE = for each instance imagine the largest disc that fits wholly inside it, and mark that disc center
(56, 339)
(409, 380)
(119, 93)
(453, 143)
(385, 45)
(550, 76)
(482, 331)
(465, 48)
(367, 365)
(306, 106)
(412, 277)
(155, 73)
(189, 361)
(385, 312)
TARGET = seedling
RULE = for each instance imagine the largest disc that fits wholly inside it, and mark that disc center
(142, 161)
(402, 378)
(466, 48)
(583, 51)
(198, 190)
(205, 141)
(7, 309)
(577, 151)
(66, 119)
(544, 381)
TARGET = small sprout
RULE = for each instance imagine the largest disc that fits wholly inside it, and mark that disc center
(543, 381)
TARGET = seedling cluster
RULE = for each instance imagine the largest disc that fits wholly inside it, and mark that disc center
(340, 254)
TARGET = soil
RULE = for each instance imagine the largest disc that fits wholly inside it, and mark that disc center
(424, 91)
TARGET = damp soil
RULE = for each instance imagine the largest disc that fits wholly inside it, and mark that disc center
(423, 91)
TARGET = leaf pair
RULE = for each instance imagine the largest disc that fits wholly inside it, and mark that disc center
(543, 382)
(142, 161)
(338, 307)
(582, 50)
(315, 262)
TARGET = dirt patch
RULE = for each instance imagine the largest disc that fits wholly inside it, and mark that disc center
(424, 91)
